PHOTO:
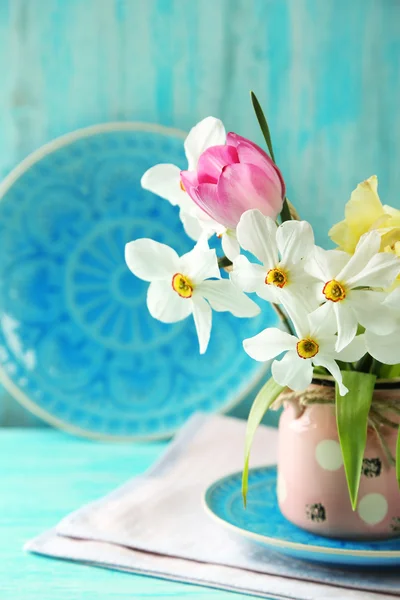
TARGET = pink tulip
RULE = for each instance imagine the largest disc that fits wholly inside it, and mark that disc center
(233, 178)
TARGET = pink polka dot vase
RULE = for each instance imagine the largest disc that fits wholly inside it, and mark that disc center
(312, 488)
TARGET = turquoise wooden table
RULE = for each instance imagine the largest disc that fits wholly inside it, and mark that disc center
(44, 475)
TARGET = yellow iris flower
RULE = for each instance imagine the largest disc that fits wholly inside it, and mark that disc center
(364, 212)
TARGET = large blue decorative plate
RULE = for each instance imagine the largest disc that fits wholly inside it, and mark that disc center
(262, 522)
(77, 344)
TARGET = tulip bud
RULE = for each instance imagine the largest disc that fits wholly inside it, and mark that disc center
(233, 178)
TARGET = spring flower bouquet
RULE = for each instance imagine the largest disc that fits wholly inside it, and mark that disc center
(340, 308)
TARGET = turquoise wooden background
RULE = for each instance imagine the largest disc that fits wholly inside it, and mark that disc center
(326, 71)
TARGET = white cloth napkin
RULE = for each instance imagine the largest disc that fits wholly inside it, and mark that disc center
(156, 525)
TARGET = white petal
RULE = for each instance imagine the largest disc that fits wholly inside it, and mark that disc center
(298, 276)
(269, 292)
(367, 247)
(209, 132)
(332, 367)
(323, 320)
(326, 264)
(257, 234)
(269, 343)
(202, 315)
(165, 304)
(354, 351)
(308, 296)
(247, 276)
(381, 271)
(297, 304)
(191, 225)
(188, 205)
(367, 305)
(164, 180)
(346, 324)
(295, 241)
(385, 348)
(393, 299)
(208, 223)
(223, 296)
(200, 263)
(298, 314)
(150, 260)
(327, 345)
(230, 245)
(293, 371)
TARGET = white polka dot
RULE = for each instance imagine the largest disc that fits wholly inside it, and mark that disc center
(281, 489)
(329, 455)
(373, 508)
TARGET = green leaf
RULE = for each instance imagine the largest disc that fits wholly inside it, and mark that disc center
(265, 397)
(389, 371)
(285, 212)
(262, 121)
(398, 458)
(352, 412)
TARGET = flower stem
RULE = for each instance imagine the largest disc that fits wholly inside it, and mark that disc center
(224, 262)
(375, 367)
(293, 212)
(285, 212)
(284, 318)
(364, 364)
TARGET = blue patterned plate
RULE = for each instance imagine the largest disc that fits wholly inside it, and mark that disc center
(77, 344)
(263, 522)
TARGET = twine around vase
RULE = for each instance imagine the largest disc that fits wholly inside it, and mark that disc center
(326, 396)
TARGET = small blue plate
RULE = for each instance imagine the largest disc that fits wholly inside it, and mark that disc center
(78, 346)
(263, 523)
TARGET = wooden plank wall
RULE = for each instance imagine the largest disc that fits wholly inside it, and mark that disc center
(326, 71)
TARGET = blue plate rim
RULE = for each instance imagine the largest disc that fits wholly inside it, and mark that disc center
(13, 176)
(279, 543)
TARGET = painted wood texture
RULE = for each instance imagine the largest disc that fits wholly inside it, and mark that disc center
(45, 475)
(326, 72)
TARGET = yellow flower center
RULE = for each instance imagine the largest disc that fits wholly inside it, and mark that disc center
(182, 186)
(334, 291)
(276, 277)
(393, 248)
(307, 348)
(182, 285)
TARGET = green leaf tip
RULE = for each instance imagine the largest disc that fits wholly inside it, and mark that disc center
(263, 123)
(352, 412)
(262, 402)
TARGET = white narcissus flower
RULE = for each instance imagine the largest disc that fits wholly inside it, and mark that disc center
(350, 286)
(385, 346)
(165, 181)
(312, 346)
(181, 286)
(280, 278)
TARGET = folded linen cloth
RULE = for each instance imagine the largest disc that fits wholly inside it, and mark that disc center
(156, 525)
